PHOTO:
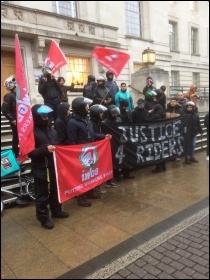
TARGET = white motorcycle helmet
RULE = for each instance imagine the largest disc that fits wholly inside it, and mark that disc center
(10, 83)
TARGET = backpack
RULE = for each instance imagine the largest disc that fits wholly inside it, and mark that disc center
(88, 90)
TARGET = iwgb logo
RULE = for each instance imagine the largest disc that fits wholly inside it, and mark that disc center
(89, 156)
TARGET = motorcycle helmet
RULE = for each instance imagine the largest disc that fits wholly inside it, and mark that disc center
(79, 103)
(113, 110)
(96, 110)
(46, 70)
(101, 78)
(44, 109)
(38, 111)
(10, 83)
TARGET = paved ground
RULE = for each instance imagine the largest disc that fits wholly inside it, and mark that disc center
(133, 229)
(183, 256)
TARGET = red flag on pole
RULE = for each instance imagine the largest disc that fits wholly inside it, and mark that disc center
(55, 58)
(113, 60)
(23, 107)
(82, 167)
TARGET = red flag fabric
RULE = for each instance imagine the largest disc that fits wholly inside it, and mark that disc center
(23, 108)
(113, 60)
(80, 168)
(55, 58)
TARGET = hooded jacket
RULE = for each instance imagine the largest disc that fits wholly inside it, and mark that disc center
(61, 123)
(44, 135)
(89, 87)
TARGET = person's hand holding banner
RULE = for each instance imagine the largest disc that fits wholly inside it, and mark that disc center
(112, 59)
(55, 58)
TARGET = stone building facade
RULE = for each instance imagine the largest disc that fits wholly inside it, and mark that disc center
(177, 31)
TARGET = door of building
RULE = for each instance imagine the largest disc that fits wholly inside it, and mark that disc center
(7, 69)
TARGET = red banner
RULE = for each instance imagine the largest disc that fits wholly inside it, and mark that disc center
(113, 60)
(55, 58)
(80, 168)
(23, 107)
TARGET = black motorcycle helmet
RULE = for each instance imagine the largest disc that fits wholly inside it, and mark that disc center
(79, 103)
(95, 110)
(113, 112)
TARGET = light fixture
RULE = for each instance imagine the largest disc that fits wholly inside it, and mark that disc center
(149, 57)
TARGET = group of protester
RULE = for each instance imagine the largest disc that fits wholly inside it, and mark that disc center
(102, 102)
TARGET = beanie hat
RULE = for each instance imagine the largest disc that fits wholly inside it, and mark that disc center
(149, 80)
(139, 101)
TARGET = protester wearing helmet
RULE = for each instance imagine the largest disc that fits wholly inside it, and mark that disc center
(149, 90)
(43, 168)
(9, 111)
(111, 84)
(102, 94)
(80, 131)
(50, 90)
(193, 128)
(113, 116)
(96, 118)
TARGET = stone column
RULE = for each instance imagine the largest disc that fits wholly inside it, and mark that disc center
(138, 80)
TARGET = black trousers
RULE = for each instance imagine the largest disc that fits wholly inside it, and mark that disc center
(46, 194)
(15, 140)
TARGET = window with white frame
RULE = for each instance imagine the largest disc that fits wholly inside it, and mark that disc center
(173, 36)
(194, 40)
(175, 81)
(77, 71)
(67, 8)
(196, 79)
(133, 18)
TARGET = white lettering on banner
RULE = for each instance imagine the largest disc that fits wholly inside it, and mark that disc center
(154, 141)
(66, 192)
(23, 107)
(160, 131)
(91, 173)
(107, 173)
(93, 180)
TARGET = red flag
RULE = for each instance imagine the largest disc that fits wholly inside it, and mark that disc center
(113, 60)
(23, 107)
(55, 58)
(80, 168)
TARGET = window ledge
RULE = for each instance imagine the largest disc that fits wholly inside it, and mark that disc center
(138, 38)
(195, 54)
(174, 51)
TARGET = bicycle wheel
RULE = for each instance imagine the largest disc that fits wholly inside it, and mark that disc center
(30, 189)
(2, 206)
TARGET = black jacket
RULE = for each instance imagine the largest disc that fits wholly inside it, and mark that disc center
(161, 98)
(65, 89)
(9, 106)
(194, 126)
(139, 115)
(61, 124)
(50, 91)
(102, 93)
(79, 130)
